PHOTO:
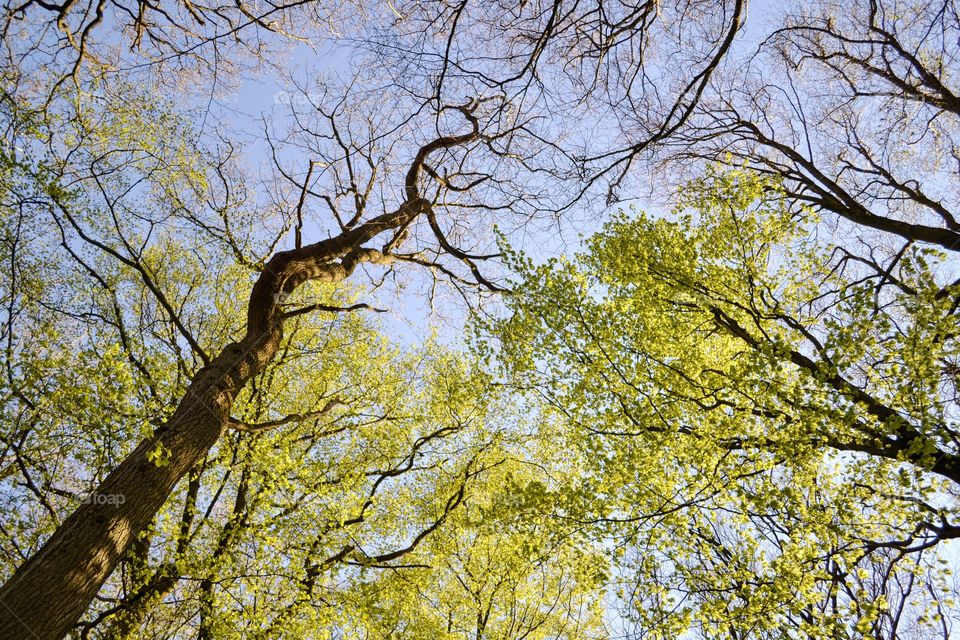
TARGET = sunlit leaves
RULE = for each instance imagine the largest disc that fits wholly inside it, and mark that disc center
(756, 417)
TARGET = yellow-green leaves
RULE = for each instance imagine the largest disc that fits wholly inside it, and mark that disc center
(159, 455)
(752, 413)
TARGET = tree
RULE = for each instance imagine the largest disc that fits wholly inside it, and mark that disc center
(65, 575)
(854, 112)
(771, 433)
(91, 154)
(341, 459)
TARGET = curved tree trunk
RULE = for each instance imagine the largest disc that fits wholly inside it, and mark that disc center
(48, 594)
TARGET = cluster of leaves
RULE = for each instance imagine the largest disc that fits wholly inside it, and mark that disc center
(731, 426)
(769, 437)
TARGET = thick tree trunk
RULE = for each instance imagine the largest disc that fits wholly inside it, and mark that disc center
(49, 593)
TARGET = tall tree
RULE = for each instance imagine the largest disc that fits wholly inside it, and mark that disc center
(54, 587)
(845, 112)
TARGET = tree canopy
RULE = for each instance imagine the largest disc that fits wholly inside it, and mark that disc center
(550, 320)
(773, 438)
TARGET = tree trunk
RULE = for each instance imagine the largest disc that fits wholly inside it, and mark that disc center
(48, 594)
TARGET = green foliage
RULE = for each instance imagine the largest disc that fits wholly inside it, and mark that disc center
(715, 420)
(763, 426)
